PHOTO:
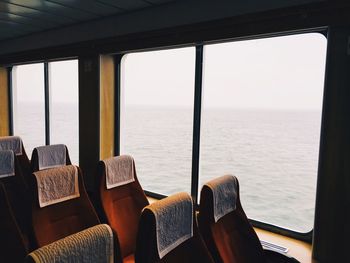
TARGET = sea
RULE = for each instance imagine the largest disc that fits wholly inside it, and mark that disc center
(273, 153)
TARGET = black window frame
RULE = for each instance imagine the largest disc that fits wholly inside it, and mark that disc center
(47, 102)
(197, 119)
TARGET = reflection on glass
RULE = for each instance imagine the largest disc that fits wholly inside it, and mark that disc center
(261, 119)
(64, 106)
(157, 113)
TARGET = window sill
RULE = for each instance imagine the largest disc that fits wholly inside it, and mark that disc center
(298, 249)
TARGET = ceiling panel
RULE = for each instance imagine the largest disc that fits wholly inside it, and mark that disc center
(53, 9)
(33, 13)
(22, 17)
(127, 4)
(91, 6)
(25, 21)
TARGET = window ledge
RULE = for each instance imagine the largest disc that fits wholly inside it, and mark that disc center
(298, 249)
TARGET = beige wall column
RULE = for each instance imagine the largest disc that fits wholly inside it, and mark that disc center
(4, 103)
(107, 84)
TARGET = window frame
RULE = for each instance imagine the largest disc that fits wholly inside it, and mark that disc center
(47, 96)
(307, 236)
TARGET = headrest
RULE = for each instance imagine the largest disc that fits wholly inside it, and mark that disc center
(225, 193)
(7, 163)
(51, 156)
(13, 143)
(174, 221)
(119, 171)
(57, 185)
(92, 245)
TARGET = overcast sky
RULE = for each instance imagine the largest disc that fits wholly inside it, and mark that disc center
(274, 73)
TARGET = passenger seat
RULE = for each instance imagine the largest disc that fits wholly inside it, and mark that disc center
(17, 194)
(225, 227)
(121, 199)
(60, 206)
(168, 233)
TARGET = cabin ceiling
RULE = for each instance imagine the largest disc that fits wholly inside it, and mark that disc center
(35, 24)
(23, 17)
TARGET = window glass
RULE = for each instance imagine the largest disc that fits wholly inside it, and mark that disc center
(29, 104)
(261, 117)
(64, 106)
(156, 117)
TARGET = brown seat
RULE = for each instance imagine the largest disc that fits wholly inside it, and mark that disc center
(92, 245)
(15, 144)
(225, 227)
(18, 196)
(122, 203)
(12, 245)
(58, 154)
(67, 214)
(168, 233)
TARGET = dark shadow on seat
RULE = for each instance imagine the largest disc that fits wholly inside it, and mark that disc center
(12, 245)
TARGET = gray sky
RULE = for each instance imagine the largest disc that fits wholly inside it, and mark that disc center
(274, 73)
(29, 81)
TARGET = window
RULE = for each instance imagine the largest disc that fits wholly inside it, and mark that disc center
(261, 117)
(29, 104)
(157, 117)
(64, 106)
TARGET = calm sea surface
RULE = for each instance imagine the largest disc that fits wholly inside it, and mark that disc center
(274, 154)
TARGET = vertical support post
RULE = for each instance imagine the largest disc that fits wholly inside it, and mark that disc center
(197, 122)
(89, 117)
(10, 99)
(332, 214)
(47, 103)
(117, 101)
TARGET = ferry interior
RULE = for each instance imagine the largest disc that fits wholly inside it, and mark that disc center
(163, 131)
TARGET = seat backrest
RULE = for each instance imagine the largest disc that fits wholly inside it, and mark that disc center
(168, 233)
(92, 245)
(12, 245)
(15, 144)
(18, 194)
(49, 156)
(224, 226)
(60, 206)
(122, 203)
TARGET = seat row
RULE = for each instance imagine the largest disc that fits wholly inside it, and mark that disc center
(57, 219)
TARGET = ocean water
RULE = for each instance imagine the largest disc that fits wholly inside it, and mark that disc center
(273, 153)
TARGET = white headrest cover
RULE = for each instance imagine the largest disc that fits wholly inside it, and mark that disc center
(174, 221)
(7, 163)
(57, 185)
(51, 156)
(13, 143)
(225, 192)
(119, 171)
